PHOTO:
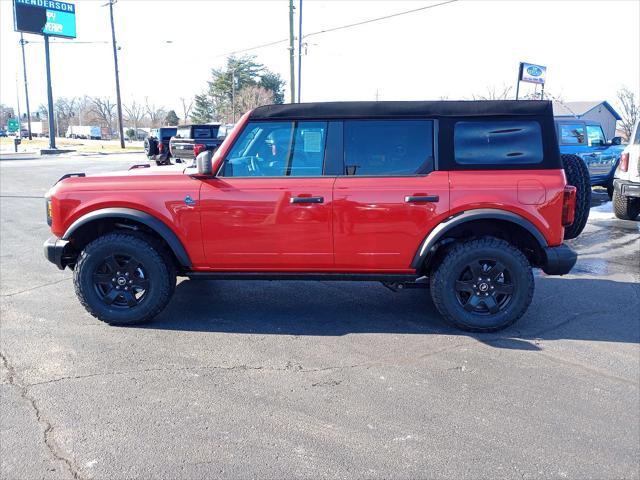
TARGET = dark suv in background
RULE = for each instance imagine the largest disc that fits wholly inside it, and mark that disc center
(156, 146)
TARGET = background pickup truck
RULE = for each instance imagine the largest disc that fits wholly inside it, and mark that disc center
(587, 140)
(190, 140)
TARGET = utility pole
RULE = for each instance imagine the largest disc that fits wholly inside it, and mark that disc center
(52, 133)
(18, 107)
(233, 95)
(26, 88)
(115, 62)
(299, 51)
(292, 54)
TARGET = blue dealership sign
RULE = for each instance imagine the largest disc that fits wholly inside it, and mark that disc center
(45, 17)
(532, 73)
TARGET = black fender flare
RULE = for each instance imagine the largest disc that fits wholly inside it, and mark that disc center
(150, 221)
(467, 216)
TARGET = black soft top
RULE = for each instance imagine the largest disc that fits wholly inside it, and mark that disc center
(471, 108)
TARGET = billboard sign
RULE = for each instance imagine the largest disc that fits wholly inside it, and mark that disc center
(45, 17)
(532, 73)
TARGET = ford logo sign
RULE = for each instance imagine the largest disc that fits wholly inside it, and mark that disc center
(534, 71)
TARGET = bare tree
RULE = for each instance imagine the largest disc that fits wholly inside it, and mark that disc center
(250, 97)
(134, 114)
(630, 111)
(156, 114)
(187, 105)
(6, 113)
(104, 111)
(83, 110)
(493, 94)
(65, 110)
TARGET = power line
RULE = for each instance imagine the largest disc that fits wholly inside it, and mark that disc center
(276, 42)
(333, 29)
(386, 17)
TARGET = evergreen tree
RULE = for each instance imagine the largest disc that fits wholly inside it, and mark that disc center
(274, 83)
(171, 118)
(203, 109)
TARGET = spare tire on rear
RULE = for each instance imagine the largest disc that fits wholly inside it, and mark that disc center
(577, 175)
(151, 146)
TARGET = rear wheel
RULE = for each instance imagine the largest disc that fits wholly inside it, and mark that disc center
(124, 278)
(625, 208)
(482, 285)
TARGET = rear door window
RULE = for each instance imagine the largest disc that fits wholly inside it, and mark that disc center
(498, 142)
(572, 134)
(388, 147)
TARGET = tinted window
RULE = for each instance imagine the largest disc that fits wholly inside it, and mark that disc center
(388, 147)
(166, 133)
(636, 139)
(595, 135)
(498, 143)
(572, 134)
(278, 149)
(205, 132)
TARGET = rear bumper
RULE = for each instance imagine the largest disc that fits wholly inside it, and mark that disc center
(54, 251)
(626, 188)
(559, 260)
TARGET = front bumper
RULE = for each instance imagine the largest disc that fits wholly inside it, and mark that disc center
(559, 260)
(626, 188)
(55, 250)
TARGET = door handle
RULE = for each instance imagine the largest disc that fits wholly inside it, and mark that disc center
(421, 198)
(307, 200)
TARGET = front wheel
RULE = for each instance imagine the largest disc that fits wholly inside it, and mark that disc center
(124, 278)
(482, 285)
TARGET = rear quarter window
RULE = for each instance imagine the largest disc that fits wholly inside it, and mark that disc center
(498, 143)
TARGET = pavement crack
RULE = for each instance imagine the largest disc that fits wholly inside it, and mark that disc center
(36, 287)
(287, 368)
(48, 434)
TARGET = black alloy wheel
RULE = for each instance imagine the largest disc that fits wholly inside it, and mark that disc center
(484, 287)
(121, 281)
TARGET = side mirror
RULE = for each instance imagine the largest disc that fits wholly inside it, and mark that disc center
(616, 141)
(204, 162)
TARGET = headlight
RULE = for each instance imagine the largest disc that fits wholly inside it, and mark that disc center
(49, 212)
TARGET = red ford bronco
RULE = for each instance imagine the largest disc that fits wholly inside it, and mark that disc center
(462, 197)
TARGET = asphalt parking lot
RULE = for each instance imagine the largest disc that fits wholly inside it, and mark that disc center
(316, 379)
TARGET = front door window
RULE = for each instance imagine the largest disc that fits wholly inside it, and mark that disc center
(278, 149)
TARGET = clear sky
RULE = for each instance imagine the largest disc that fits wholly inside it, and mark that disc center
(591, 48)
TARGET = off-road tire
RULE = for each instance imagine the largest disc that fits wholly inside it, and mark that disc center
(157, 264)
(447, 274)
(150, 147)
(625, 208)
(577, 175)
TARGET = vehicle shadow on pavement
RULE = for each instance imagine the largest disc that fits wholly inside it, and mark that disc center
(562, 308)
